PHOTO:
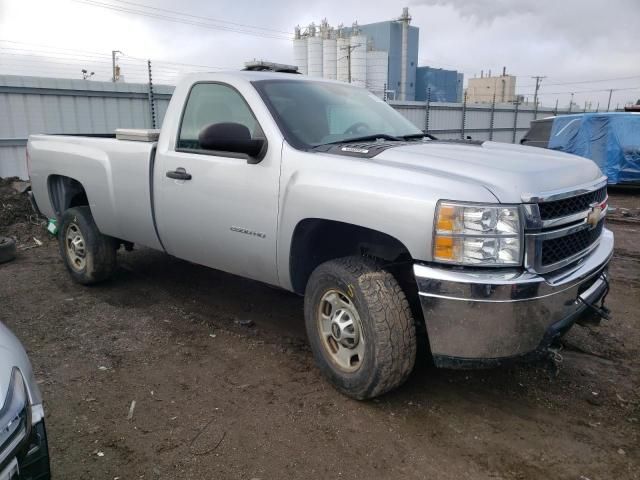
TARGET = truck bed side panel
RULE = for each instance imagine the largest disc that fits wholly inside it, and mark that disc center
(114, 173)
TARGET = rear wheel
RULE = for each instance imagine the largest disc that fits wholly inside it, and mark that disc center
(7, 249)
(360, 327)
(89, 255)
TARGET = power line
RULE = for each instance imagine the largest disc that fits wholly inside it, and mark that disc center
(578, 82)
(181, 20)
(95, 57)
(142, 5)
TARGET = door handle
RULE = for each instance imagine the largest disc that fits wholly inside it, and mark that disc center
(179, 174)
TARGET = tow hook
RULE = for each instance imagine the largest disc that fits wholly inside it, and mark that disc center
(595, 312)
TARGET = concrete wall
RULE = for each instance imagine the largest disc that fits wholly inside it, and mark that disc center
(31, 105)
(481, 90)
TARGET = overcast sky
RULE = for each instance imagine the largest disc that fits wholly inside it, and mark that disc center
(571, 42)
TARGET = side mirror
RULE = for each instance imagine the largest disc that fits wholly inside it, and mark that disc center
(232, 137)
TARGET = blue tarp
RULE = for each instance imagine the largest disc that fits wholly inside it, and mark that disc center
(612, 140)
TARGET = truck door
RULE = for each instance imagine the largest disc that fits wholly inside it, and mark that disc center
(224, 213)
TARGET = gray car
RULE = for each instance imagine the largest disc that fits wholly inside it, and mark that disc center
(24, 452)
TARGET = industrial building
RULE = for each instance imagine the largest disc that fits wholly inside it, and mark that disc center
(380, 56)
(486, 89)
(441, 85)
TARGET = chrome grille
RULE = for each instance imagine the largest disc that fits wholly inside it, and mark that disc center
(571, 205)
(557, 249)
(563, 227)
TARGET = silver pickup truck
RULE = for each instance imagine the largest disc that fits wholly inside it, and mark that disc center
(483, 252)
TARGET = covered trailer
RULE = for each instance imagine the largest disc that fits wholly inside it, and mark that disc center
(611, 140)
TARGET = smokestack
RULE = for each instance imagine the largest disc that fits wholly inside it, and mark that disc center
(405, 19)
(504, 71)
(481, 73)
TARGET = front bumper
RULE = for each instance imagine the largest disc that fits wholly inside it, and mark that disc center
(479, 317)
(31, 460)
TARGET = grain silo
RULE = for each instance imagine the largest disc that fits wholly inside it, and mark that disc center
(300, 57)
(377, 71)
(359, 60)
(329, 58)
(314, 53)
(342, 63)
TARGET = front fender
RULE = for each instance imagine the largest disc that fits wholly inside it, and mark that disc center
(384, 198)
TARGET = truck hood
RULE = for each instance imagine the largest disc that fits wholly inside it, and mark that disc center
(508, 171)
(13, 355)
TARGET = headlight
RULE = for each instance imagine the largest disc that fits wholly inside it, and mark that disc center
(480, 235)
(14, 414)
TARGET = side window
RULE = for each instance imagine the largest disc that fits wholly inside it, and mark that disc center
(210, 103)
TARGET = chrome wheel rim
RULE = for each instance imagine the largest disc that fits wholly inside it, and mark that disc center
(76, 247)
(340, 330)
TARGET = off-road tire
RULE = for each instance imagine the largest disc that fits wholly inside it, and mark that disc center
(100, 249)
(7, 249)
(387, 326)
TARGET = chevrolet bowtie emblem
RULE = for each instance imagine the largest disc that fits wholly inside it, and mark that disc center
(595, 214)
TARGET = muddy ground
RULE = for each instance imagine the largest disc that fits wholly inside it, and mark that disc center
(216, 399)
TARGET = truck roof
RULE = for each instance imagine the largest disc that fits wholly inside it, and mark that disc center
(249, 76)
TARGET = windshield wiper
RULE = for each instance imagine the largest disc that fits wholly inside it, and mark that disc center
(364, 138)
(419, 135)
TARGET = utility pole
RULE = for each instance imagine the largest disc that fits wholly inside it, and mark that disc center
(349, 49)
(609, 102)
(114, 68)
(571, 102)
(538, 79)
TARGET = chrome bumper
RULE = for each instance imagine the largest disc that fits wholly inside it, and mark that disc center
(484, 315)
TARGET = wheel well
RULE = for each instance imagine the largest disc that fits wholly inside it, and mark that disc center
(66, 192)
(316, 241)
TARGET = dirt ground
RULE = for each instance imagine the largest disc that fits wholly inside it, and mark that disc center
(217, 399)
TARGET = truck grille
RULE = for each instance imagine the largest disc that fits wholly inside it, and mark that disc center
(569, 206)
(561, 231)
(557, 249)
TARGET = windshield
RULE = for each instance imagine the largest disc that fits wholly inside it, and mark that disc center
(317, 113)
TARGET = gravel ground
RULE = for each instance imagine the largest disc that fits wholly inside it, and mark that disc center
(216, 398)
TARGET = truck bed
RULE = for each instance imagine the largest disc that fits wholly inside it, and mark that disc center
(115, 173)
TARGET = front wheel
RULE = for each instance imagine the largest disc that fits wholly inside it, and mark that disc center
(89, 255)
(360, 327)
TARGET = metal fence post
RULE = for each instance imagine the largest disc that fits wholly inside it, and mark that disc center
(493, 115)
(515, 121)
(426, 111)
(464, 115)
(152, 108)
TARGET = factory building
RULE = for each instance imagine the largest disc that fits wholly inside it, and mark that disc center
(484, 88)
(376, 56)
(443, 85)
